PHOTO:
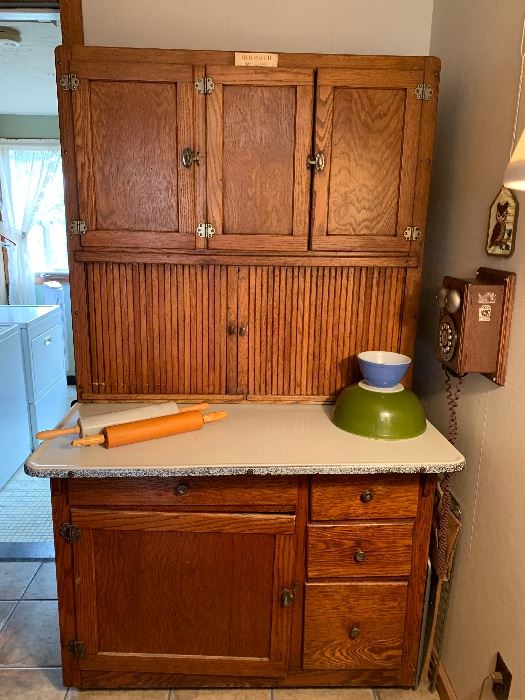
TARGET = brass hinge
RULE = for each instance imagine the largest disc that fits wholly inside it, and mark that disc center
(76, 648)
(78, 227)
(288, 596)
(412, 233)
(205, 231)
(204, 85)
(69, 81)
(423, 91)
(71, 533)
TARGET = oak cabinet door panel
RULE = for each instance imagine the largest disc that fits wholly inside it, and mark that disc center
(196, 592)
(367, 126)
(131, 125)
(259, 126)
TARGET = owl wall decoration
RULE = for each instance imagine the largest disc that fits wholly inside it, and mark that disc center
(502, 224)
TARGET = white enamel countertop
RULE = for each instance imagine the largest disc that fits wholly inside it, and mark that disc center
(255, 438)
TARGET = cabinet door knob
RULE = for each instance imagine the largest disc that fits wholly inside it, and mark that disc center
(360, 556)
(366, 496)
(354, 632)
(243, 330)
(182, 489)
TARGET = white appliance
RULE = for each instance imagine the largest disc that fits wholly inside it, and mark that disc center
(41, 333)
(15, 437)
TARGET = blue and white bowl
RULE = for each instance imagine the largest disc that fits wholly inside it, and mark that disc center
(383, 369)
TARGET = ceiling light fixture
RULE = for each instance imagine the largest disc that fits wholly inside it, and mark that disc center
(10, 37)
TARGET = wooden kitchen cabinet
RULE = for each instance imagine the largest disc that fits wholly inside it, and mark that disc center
(289, 239)
(231, 581)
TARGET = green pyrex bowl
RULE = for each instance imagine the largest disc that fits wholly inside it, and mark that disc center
(381, 415)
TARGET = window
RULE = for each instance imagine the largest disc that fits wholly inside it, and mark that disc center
(33, 201)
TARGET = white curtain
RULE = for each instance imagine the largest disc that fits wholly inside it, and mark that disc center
(26, 168)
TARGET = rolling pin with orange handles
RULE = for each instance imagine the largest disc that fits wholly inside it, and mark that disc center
(93, 425)
(150, 429)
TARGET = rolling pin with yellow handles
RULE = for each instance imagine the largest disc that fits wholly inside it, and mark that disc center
(150, 429)
(93, 425)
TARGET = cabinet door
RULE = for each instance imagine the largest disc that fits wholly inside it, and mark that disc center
(159, 329)
(132, 121)
(367, 126)
(192, 593)
(304, 326)
(259, 133)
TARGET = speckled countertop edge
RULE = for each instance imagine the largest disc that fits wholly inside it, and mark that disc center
(94, 472)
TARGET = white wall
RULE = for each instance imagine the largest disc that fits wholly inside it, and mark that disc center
(478, 42)
(330, 26)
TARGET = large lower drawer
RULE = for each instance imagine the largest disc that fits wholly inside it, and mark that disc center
(364, 497)
(191, 491)
(354, 625)
(360, 549)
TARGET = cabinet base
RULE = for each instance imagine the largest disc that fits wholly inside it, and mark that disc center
(298, 679)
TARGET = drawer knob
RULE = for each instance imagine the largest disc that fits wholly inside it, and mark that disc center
(366, 496)
(354, 632)
(182, 489)
(360, 556)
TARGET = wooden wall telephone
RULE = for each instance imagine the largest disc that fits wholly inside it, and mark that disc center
(474, 323)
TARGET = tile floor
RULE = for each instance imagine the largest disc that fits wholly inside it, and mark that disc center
(25, 509)
(30, 654)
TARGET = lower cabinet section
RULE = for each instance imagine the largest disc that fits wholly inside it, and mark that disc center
(247, 589)
(354, 625)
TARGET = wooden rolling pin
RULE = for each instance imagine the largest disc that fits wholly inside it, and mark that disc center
(150, 429)
(93, 425)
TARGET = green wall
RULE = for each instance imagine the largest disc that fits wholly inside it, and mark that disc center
(28, 126)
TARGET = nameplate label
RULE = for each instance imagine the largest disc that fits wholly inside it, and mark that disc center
(263, 60)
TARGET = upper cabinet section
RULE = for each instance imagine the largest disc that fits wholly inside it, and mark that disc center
(259, 132)
(181, 150)
(132, 121)
(367, 129)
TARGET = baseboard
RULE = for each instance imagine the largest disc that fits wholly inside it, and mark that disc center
(444, 686)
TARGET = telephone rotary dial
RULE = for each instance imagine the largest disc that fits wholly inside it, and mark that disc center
(447, 338)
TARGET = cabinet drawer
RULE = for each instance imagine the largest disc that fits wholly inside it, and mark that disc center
(192, 491)
(354, 625)
(364, 497)
(47, 359)
(364, 549)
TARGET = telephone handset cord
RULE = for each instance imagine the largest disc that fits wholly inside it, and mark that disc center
(453, 393)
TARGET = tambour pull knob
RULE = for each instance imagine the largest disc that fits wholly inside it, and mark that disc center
(182, 489)
(360, 556)
(366, 496)
(354, 632)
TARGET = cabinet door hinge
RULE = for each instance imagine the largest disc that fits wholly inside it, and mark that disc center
(288, 596)
(78, 227)
(204, 85)
(69, 81)
(205, 231)
(412, 233)
(76, 648)
(71, 533)
(424, 91)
